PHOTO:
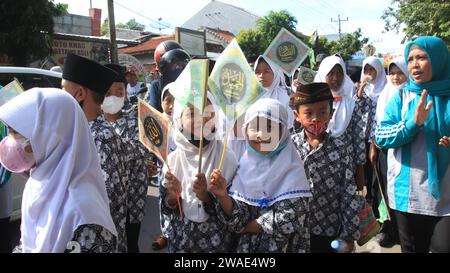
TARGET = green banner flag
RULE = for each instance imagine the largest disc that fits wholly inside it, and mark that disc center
(190, 86)
(233, 83)
(287, 51)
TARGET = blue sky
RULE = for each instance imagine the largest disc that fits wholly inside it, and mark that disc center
(310, 14)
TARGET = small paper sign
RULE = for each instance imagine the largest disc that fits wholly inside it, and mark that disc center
(287, 51)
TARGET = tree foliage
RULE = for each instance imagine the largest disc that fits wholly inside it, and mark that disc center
(347, 44)
(419, 17)
(131, 24)
(26, 29)
(255, 41)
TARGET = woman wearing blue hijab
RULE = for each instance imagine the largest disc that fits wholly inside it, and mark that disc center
(416, 124)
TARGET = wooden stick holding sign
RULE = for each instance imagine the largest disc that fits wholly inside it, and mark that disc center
(154, 133)
(204, 91)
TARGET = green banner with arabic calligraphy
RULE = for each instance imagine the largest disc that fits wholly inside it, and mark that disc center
(287, 51)
(233, 83)
(190, 86)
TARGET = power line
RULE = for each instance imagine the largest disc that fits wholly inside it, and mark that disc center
(137, 13)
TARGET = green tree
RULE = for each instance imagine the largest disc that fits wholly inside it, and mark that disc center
(347, 44)
(322, 45)
(26, 29)
(250, 43)
(419, 17)
(270, 25)
(104, 29)
(131, 24)
(255, 41)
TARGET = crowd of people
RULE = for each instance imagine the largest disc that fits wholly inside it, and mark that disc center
(293, 166)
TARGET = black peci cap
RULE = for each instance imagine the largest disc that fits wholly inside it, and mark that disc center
(312, 93)
(88, 73)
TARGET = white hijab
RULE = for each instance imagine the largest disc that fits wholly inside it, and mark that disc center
(172, 145)
(278, 90)
(67, 188)
(268, 180)
(184, 160)
(390, 89)
(373, 89)
(343, 109)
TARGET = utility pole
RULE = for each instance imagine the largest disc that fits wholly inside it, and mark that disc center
(339, 21)
(112, 33)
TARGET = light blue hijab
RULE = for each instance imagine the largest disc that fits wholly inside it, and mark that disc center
(438, 123)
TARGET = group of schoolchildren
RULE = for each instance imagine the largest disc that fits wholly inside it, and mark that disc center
(287, 177)
(279, 190)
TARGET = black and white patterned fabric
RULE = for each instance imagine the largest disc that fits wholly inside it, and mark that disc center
(334, 206)
(92, 239)
(355, 135)
(284, 226)
(127, 128)
(185, 236)
(113, 160)
(369, 109)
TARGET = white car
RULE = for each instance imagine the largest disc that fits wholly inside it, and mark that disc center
(29, 78)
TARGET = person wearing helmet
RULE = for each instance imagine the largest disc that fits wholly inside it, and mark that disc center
(170, 59)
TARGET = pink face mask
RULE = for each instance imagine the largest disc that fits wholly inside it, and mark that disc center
(13, 155)
(315, 127)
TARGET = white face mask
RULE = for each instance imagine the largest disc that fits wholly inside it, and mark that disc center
(113, 104)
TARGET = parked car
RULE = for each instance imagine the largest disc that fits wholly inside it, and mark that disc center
(29, 78)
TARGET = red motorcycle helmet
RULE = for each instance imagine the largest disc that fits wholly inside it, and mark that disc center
(164, 47)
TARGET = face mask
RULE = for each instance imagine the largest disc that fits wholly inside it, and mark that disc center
(113, 104)
(275, 152)
(315, 128)
(13, 155)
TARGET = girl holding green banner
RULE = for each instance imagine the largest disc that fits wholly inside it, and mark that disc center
(198, 229)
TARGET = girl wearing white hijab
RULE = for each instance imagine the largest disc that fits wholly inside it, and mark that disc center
(373, 80)
(347, 122)
(268, 201)
(272, 79)
(65, 204)
(198, 229)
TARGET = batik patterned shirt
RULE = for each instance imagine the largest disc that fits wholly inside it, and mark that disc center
(334, 206)
(186, 236)
(369, 109)
(113, 160)
(284, 226)
(92, 239)
(127, 128)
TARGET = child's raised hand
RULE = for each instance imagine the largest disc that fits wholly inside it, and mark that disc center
(173, 187)
(445, 141)
(200, 188)
(218, 184)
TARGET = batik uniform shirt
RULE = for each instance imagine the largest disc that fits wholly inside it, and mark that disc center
(284, 226)
(369, 109)
(185, 236)
(89, 238)
(127, 128)
(113, 160)
(334, 206)
(92, 239)
(355, 134)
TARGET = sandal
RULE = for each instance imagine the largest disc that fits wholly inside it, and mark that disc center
(159, 243)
